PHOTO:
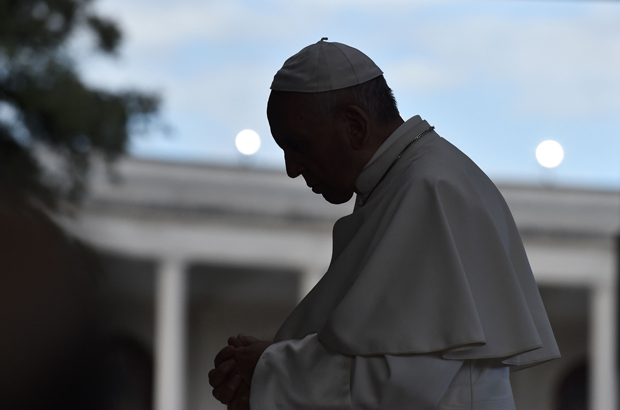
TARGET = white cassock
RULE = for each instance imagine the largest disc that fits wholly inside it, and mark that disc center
(428, 301)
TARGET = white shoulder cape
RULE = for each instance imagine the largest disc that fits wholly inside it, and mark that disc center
(433, 262)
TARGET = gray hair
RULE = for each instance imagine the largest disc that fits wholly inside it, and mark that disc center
(374, 96)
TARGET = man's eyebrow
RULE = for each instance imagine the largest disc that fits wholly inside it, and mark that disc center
(287, 140)
(294, 138)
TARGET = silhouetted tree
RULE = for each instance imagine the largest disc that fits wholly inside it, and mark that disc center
(45, 104)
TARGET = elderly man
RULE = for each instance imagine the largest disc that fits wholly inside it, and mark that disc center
(429, 299)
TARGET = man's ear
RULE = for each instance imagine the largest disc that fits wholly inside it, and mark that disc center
(358, 126)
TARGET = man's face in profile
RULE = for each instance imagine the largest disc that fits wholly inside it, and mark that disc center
(314, 145)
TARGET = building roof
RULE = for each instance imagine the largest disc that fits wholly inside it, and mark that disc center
(181, 191)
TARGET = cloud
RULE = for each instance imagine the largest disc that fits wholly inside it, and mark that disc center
(554, 65)
(542, 65)
(557, 67)
(421, 76)
(160, 27)
(163, 26)
(372, 5)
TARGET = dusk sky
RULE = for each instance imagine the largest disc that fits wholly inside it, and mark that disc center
(495, 77)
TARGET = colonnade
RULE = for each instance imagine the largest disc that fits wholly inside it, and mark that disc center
(171, 336)
(171, 330)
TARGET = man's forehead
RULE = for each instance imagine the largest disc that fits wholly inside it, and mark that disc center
(292, 118)
(288, 105)
(286, 97)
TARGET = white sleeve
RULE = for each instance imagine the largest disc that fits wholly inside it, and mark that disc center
(303, 374)
(401, 382)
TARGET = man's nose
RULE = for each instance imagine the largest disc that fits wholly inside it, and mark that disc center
(293, 169)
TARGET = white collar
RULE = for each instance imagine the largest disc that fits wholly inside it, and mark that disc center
(385, 154)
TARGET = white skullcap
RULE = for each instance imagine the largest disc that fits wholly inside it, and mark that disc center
(325, 66)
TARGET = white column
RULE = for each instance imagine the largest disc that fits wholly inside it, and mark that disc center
(308, 278)
(170, 337)
(603, 360)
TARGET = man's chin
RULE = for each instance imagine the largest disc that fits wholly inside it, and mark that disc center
(336, 199)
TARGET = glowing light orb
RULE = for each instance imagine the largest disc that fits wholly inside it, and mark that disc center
(549, 154)
(247, 142)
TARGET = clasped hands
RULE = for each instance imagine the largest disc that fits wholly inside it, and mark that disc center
(234, 368)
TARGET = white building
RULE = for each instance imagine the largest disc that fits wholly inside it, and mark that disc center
(197, 253)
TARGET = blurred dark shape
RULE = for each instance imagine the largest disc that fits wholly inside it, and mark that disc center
(54, 350)
(572, 393)
(46, 108)
(129, 375)
(108, 34)
(51, 345)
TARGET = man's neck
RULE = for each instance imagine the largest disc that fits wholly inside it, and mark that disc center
(384, 133)
(381, 134)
